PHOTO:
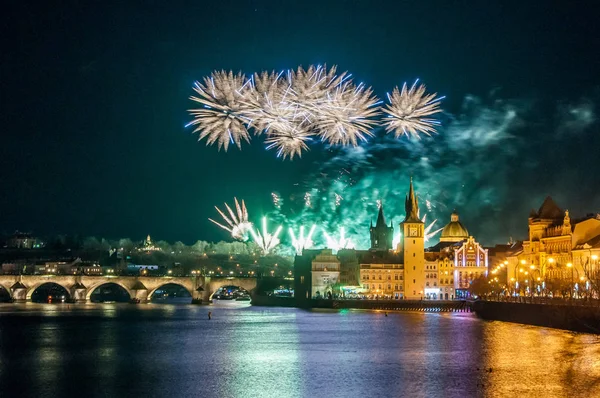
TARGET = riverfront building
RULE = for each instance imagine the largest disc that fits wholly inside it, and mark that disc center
(558, 248)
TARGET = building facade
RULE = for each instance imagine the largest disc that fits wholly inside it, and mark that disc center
(558, 248)
(325, 274)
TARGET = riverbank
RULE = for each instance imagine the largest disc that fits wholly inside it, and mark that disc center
(567, 317)
(390, 305)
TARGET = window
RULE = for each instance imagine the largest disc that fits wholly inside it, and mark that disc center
(395, 287)
(396, 277)
(414, 254)
(380, 285)
(427, 284)
(389, 287)
(379, 277)
(414, 267)
(366, 285)
(414, 281)
(414, 241)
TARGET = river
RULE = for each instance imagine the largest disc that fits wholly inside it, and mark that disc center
(161, 350)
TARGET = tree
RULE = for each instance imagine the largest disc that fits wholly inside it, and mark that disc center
(480, 287)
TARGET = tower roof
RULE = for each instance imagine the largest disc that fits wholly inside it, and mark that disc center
(454, 231)
(411, 206)
(380, 218)
(549, 209)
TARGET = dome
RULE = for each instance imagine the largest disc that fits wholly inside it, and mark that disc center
(454, 231)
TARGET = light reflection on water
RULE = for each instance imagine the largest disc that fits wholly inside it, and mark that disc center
(163, 350)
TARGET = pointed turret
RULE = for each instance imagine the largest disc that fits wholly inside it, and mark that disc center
(380, 218)
(411, 206)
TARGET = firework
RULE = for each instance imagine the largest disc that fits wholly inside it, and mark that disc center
(236, 223)
(302, 242)
(266, 241)
(276, 200)
(220, 119)
(428, 234)
(292, 107)
(344, 116)
(307, 199)
(288, 144)
(338, 199)
(338, 244)
(409, 109)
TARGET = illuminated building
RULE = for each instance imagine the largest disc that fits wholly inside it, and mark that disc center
(21, 240)
(454, 231)
(325, 273)
(148, 246)
(412, 248)
(558, 247)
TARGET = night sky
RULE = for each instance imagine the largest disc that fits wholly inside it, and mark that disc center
(94, 99)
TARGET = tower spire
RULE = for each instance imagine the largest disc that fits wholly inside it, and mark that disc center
(380, 218)
(411, 206)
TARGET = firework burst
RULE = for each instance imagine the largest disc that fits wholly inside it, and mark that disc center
(221, 119)
(344, 116)
(341, 243)
(236, 223)
(292, 107)
(301, 242)
(266, 241)
(408, 111)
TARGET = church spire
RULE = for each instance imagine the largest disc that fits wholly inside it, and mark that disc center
(411, 205)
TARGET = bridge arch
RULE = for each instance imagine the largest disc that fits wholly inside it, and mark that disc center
(151, 293)
(33, 288)
(5, 291)
(248, 284)
(49, 284)
(92, 288)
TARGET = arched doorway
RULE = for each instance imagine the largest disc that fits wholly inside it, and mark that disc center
(171, 293)
(4, 295)
(50, 292)
(110, 293)
(231, 292)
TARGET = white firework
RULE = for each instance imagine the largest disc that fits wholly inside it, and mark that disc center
(266, 241)
(288, 144)
(428, 234)
(269, 104)
(345, 115)
(220, 119)
(302, 242)
(236, 223)
(409, 110)
(340, 243)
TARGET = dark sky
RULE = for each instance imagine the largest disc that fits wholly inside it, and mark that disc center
(94, 96)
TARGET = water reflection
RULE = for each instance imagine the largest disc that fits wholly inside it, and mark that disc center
(165, 350)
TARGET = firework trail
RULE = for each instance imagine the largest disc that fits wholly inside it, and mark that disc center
(302, 242)
(266, 241)
(341, 243)
(409, 109)
(236, 223)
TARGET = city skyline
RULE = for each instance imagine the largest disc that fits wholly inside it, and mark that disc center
(100, 149)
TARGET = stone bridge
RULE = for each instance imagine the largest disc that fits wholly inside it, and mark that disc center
(81, 287)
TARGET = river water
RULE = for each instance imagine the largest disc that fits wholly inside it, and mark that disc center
(154, 350)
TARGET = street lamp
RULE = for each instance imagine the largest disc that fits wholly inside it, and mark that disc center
(570, 265)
